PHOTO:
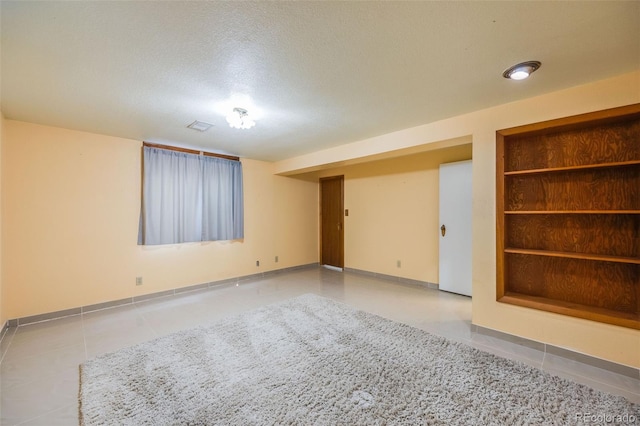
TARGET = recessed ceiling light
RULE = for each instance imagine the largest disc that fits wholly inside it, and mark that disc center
(200, 126)
(522, 70)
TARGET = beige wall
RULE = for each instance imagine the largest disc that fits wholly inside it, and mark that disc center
(393, 213)
(71, 209)
(614, 343)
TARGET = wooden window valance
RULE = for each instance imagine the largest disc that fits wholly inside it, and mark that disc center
(190, 151)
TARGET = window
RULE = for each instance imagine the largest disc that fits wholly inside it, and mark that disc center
(188, 197)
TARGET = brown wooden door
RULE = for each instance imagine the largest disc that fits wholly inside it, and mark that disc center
(331, 221)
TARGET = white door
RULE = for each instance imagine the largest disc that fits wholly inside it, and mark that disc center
(455, 224)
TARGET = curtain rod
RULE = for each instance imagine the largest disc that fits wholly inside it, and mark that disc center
(190, 151)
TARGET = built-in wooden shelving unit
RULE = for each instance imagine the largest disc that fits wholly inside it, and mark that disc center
(568, 216)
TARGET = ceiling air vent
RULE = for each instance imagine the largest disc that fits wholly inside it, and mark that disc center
(200, 126)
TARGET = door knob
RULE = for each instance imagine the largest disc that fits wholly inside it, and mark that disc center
(443, 230)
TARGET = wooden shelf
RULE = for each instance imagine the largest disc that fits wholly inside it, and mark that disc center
(567, 216)
(607, 316)
(572, 212)
(569, 255)
(570, 168)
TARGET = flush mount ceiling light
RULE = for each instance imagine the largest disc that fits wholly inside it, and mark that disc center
(239, 119)
(522, 70)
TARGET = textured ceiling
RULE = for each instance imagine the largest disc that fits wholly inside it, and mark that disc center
(314, 74)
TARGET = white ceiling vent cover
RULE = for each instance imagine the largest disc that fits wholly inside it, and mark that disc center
(200, 126)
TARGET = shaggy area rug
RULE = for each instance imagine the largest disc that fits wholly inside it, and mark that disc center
(314, 361)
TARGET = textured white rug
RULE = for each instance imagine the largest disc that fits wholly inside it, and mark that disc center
(311, 360)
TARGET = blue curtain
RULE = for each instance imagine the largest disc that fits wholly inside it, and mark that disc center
(190, 197)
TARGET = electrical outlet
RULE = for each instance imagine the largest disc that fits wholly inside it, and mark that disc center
(257, 263)
(276, 259)
(399, 264)
(138, 280)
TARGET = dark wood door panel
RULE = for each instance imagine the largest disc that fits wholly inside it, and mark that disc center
(331, 221)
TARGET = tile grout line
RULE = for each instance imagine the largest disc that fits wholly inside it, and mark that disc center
(146, 322)
(40, 416)
(9, 341)
(3, 335)
(84, 337)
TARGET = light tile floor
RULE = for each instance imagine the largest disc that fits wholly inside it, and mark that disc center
(39, 367)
